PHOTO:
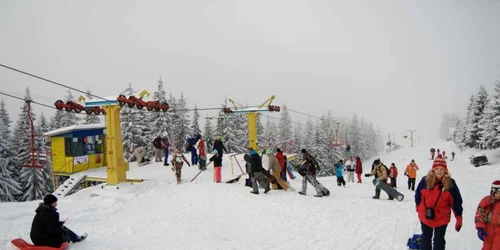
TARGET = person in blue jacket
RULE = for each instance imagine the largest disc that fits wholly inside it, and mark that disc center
(339, 173)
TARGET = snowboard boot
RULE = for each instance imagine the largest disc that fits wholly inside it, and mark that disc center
(254, 192)
(82, 238)
(267, 190)
(302, 193)
(377, 194)
(318, 195)
(391, 198)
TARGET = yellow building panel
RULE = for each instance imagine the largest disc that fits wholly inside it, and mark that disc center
(96, 161)
(58, 155)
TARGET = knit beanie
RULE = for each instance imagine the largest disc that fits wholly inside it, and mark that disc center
(495, 187)
(439, 162)
(49, 199)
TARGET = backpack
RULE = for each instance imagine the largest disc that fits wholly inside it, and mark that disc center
(387, 169)
(315, 163)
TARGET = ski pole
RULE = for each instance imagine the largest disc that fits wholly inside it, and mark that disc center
(200, 172)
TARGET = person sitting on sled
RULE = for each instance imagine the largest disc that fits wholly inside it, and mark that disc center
(47, 230)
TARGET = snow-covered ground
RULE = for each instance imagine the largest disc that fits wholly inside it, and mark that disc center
(159, 214)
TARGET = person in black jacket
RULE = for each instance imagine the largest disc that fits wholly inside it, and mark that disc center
(219, 146)
(256, 172)
(47, 230)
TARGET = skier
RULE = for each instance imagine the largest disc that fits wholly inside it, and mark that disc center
(338, 172)
(275, 169)
(164, 145)
(380, 172)
(411, 172)
(158, 148)
(310, 175)
(177, 161)
(437, 194)
(200, 145)
(350, 166)
(393, 174)
(47, 230)
(217, 159)
(359, 168)
(487, 216)
(452, 155)
(444, 155)
(255, 170)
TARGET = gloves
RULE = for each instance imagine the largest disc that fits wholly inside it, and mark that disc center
(481, 234)
(458, 225)
(406, 174)
(189, 165)
(367, 175)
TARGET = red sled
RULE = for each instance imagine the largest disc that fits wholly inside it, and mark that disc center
(23, 245)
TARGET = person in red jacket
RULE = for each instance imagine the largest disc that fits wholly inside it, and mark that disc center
(359, 168)
(437, 194)
(393, 174)
(487, 217)
(281, 161)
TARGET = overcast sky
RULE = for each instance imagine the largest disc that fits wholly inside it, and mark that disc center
(400, 64)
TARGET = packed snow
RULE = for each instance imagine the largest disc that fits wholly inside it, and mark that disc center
(160, 214)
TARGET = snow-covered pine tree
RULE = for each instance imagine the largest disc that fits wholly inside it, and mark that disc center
(261, 131)
(195, 126)
(355, 136)
(323, 152)
(91, 118)
(236, 140)
(299, 141)
(490, 121)
(43, 147)
(308, 142)
(473, 133)
(33, 180)
(161, 120)
(9, 187)
(69, 118)
(209, 133)
(55, 121)
(130, 124)
(458, 135)
(285, 125)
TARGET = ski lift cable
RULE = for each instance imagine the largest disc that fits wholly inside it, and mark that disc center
(38, 103)
(50, 81)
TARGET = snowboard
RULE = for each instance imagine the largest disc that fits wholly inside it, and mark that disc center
(266, 173)
(290, 173)
(389, 190)
(235, 179)
(144, 163)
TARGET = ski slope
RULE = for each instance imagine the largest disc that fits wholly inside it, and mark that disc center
(159, 214)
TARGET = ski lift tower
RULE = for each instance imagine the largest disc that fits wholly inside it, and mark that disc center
(252, 112)
(34, 160)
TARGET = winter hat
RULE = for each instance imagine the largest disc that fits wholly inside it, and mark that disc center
(439, 162)
(303, 151)
(376, 162)
(495, 187)
(49, 199)
(278, 150)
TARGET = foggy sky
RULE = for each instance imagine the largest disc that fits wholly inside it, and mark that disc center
(399, 64)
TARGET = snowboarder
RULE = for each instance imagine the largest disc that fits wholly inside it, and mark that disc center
(217, 165)
(47, 230)
(339, 173)
(359, 168)
(393, 174)
(140, 155)
(380, 172)
(164, 145)
(177, 161)
(487, 215)
(310, 175)
(437, 194)
(275, 169)
(255, 170)
(411, 173)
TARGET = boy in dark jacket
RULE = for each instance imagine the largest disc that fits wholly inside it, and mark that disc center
(47, 230)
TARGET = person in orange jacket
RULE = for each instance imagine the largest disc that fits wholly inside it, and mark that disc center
(437, 194)
(487, 217)
(411, 172)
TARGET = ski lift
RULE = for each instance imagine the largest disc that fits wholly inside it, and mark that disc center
(34, 158)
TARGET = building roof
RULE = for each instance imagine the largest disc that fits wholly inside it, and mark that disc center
(74, 128)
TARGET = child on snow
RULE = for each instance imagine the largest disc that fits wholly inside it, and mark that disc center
(339, 174)
(177, 161)
(487, 217)
(217, 159)
(393, 174)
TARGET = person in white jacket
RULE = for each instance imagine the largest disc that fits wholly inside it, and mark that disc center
(350, 166)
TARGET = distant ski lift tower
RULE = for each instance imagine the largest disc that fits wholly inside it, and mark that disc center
(336, 142)
(252, 112)
(34, 157)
